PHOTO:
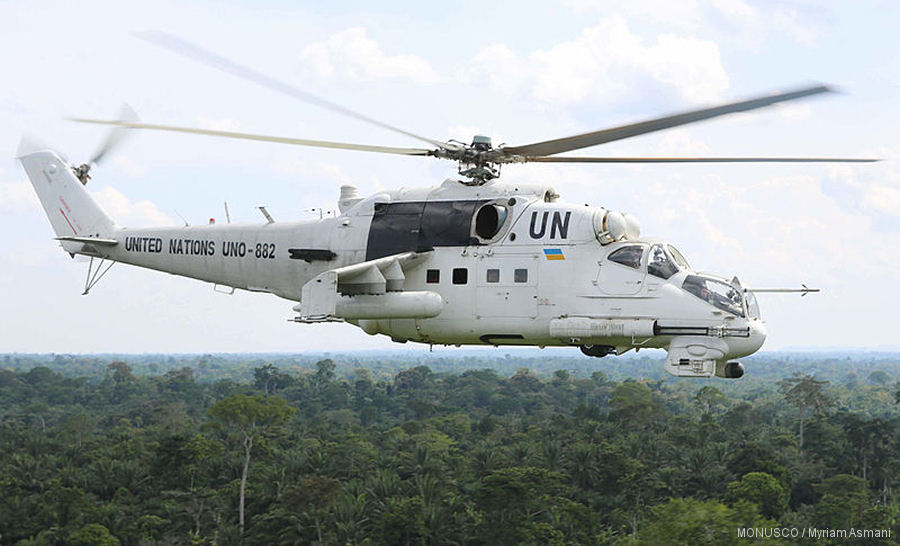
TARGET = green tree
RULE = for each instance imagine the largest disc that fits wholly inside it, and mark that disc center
(77, 428)
(515, 500)
(805, 392)
(92, 534)
(268, 378)
(121, 372)
(253, 417)
(709, 397)
(878, 377)
(264, 376)
(39, 410)
(525, 381)
(363, 386)
(314, 495)
(633, 403)
(413, 378)
(324, 375)
(761, 489)
(696, 522)
(400, 522)
(844, 499)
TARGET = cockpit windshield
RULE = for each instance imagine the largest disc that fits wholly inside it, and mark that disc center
(660, 265)
(752, 305)
(720, 294)
(678, 257)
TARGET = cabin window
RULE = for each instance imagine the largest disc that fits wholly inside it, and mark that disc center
(628, 255)
(433, 276)
(520, 275)
(493, 275)
(460, 275)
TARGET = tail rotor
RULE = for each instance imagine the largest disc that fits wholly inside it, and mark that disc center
(113, 138)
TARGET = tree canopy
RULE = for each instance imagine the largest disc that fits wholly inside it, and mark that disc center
(403, 453)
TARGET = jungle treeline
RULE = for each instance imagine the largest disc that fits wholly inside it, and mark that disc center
(205, 450)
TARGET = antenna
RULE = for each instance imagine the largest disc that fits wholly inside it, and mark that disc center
(268, 216)
(186, 224)
(227, 215)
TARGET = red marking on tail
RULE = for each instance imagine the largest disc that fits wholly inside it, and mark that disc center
(70, 223)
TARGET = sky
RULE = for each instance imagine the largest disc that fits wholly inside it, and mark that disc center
(520, 72)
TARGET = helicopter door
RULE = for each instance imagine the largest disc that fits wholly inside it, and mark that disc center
(507, 287)
(622, 272)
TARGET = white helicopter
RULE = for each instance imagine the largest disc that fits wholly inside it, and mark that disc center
(473, 261)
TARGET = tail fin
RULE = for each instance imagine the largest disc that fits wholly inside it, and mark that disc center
(71, 210)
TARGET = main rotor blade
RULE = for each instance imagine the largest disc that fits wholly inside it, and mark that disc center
(541, 159)
(197, 53)
(551, 147)
(263, 138)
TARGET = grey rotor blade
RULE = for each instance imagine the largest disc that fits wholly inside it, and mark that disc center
(197, 53)
(115, 135)
(541, 159)
(551, 147)
(262, 138)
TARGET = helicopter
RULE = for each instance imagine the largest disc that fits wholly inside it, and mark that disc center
(474, 260)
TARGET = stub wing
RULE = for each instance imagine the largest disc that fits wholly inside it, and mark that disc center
(367, 290)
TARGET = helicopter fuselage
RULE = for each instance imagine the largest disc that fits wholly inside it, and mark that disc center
(498, 264)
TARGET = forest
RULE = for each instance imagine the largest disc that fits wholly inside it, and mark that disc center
(478, 448)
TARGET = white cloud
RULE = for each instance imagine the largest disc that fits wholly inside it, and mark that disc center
(736, 9)
(605, 62)
(874, 189)
(883, 199)
(125, 213)
(353, 55)
(739, 21)
(793, 112)
(320, 170)
(16, 194)
(128, 166)
(679, 142)
(788, 22)
(498, 67)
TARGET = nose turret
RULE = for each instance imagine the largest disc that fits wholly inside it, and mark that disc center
(745, 346)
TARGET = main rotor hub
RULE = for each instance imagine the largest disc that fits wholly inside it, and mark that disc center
(475, 162)
(481, 143)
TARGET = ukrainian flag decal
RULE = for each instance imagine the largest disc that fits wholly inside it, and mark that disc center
(554, 254)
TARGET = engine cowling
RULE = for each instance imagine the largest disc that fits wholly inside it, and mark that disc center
(611, 226)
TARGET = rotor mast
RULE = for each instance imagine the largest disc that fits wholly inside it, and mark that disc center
(474, 161)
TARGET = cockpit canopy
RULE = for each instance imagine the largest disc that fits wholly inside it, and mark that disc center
(664, 260)
(718, 293)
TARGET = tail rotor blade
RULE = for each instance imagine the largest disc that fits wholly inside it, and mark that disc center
(116, 134)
